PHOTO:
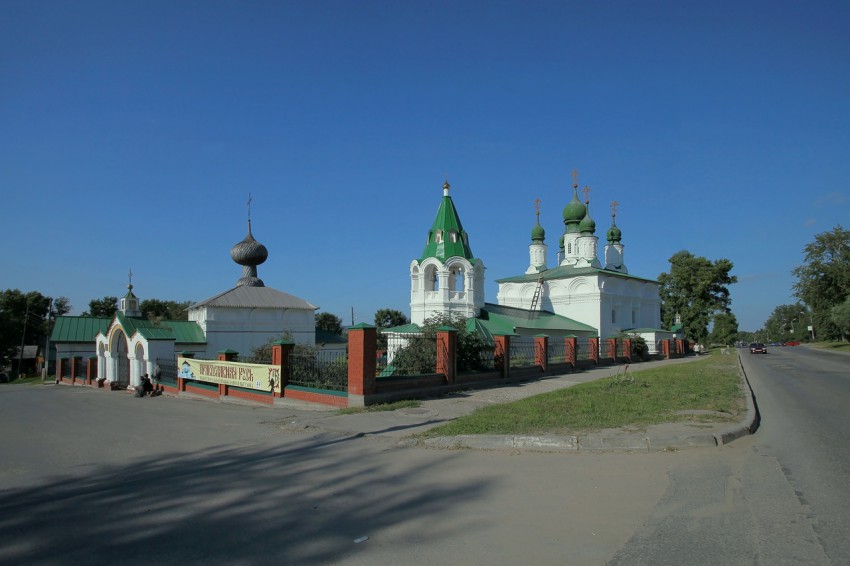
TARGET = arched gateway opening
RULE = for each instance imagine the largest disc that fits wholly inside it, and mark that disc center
(121, 359)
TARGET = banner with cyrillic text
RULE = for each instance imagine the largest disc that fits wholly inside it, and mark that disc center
(250, 376)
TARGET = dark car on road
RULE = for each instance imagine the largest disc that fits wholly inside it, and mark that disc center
(758, 348)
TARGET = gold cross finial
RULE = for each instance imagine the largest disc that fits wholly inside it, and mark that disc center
(586, 192)
(537, 206)
(575, 178)
(130, 279)
(614, 205)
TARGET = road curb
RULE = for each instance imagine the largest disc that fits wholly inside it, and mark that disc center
(751, 420)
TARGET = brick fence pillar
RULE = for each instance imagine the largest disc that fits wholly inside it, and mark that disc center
(611, 348)
(593, 346)
(281, 351)
(362, 363)
(91, 370)
(571, 350)
(502, 354)
(541, 352)
(680, 347)
(665, 349)
(627, 349)
(447, 352)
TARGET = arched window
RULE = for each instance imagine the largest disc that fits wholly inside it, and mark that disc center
(456, 279)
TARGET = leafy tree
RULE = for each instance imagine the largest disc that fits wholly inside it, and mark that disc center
(155, 309)
(22, 321)
(840, 317)
(388, 318)
(61, 306)
(697, 289)
(329, 322)
(823, 281)
(102, 308)
(786, 323)
(725, 329)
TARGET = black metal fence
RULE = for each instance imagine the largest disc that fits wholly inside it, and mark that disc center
(321, 369)
(522, 353)
(411, 354)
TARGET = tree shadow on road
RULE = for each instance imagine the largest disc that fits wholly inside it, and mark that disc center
(304, 502)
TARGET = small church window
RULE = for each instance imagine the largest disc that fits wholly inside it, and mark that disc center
(569, 247)
(453, 236)
(613, 316)
(439, 237)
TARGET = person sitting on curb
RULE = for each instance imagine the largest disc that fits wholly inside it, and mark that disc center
(145, 387)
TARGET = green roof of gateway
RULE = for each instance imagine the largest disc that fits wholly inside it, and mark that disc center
(85, 328)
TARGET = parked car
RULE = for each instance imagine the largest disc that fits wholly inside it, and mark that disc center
(758, 348)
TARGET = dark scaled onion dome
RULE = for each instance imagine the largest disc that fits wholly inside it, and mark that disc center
(614, 233)
(249, 252)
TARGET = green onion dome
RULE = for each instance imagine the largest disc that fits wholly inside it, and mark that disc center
(538, 234)
(587, 225)
(575, 211)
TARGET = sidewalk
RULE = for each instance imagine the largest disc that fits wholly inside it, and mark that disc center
(398, 425)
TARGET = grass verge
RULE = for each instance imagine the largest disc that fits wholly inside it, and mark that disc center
(404, 404)
(706, 390)
(835, 346)
(26, 381)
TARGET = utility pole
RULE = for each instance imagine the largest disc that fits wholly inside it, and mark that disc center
(352, 316)
(23, 339)
(45, 371)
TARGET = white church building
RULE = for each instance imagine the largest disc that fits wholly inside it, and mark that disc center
(580, 295)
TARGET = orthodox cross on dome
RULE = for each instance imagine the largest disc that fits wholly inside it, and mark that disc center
(614, 205)
(537, 202)
(250, 200)
(575, 178)
(586, 192)
(130, 279)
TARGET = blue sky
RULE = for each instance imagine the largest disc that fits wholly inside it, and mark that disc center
(132, 132)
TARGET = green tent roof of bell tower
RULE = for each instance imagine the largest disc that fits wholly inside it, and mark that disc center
(447, 238)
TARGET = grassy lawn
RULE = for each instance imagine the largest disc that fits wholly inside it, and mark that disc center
(652, 396)
(836, 346)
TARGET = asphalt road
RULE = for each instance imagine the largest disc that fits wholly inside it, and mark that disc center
(97, 477)
(804, 396)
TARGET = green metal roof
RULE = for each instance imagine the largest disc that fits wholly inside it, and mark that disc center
(181, 331)
(567, 271)
(510, 319)
(78, 328)
(453, 240)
